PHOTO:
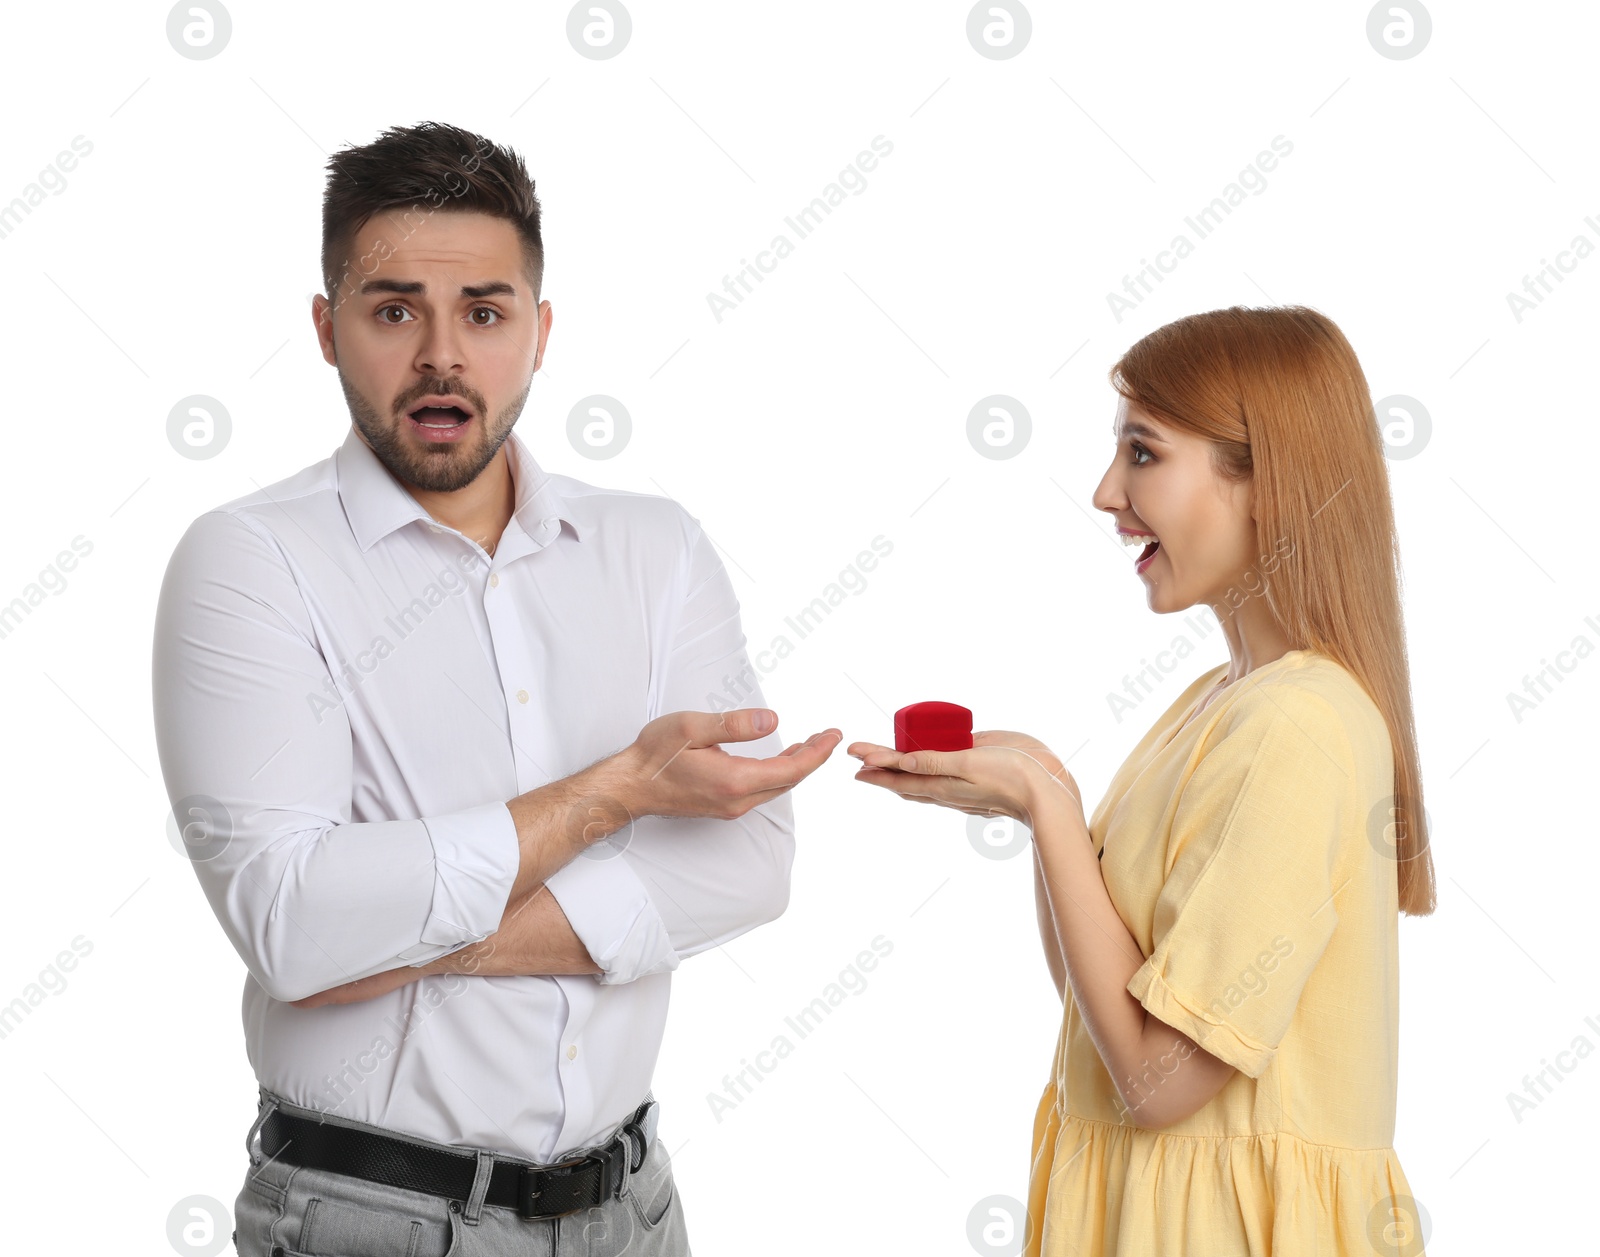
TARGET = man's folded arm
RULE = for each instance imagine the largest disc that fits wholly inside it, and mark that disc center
(668, 887)
(257, 756)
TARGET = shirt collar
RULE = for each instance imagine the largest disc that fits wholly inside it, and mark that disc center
(376, 504)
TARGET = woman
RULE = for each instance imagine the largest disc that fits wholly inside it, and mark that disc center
(1223, 929)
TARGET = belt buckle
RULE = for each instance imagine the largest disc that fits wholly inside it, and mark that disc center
(610, 1160)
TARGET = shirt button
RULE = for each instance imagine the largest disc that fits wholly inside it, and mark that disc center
(572, 1051)
(522, 696)
(434, 528)
(494, 579)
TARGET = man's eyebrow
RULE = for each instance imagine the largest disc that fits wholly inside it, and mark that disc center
(412, 287)
(1135, 428)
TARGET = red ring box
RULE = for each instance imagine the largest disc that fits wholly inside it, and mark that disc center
(933, 727)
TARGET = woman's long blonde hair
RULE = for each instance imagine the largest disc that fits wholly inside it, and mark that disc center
(1280, 394)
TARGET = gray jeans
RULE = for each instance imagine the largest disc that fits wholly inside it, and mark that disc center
(290, 1211)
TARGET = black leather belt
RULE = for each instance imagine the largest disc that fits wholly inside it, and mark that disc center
(534, 1191)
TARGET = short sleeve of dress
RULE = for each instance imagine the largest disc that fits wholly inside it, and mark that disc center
(1246, 909)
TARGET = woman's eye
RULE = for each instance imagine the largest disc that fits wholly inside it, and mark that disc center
(1139, 449)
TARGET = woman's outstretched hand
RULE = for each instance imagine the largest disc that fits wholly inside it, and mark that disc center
(1004, 774)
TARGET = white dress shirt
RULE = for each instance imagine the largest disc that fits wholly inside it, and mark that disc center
(346, 695)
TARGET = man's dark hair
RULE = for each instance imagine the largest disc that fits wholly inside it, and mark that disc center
(419, 171)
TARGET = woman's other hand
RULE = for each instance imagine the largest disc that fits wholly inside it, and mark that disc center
(1004, 774)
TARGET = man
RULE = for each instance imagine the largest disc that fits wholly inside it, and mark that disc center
(390, 693)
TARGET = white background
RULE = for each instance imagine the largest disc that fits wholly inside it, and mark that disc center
(830, 407)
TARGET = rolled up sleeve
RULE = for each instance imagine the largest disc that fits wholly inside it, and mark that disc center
(260, 777)
(473, 851)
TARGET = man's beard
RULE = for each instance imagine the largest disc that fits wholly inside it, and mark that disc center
(441, 468)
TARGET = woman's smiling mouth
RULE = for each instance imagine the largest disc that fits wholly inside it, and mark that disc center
(1148, 542)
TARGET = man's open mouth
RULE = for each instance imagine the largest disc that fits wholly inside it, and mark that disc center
(439, 416)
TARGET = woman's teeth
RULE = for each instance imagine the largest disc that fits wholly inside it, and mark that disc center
(1145, 543)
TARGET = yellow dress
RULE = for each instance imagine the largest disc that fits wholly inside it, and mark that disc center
(1245, 853)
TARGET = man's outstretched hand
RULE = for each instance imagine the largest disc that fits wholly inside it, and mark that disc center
(675, 766)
